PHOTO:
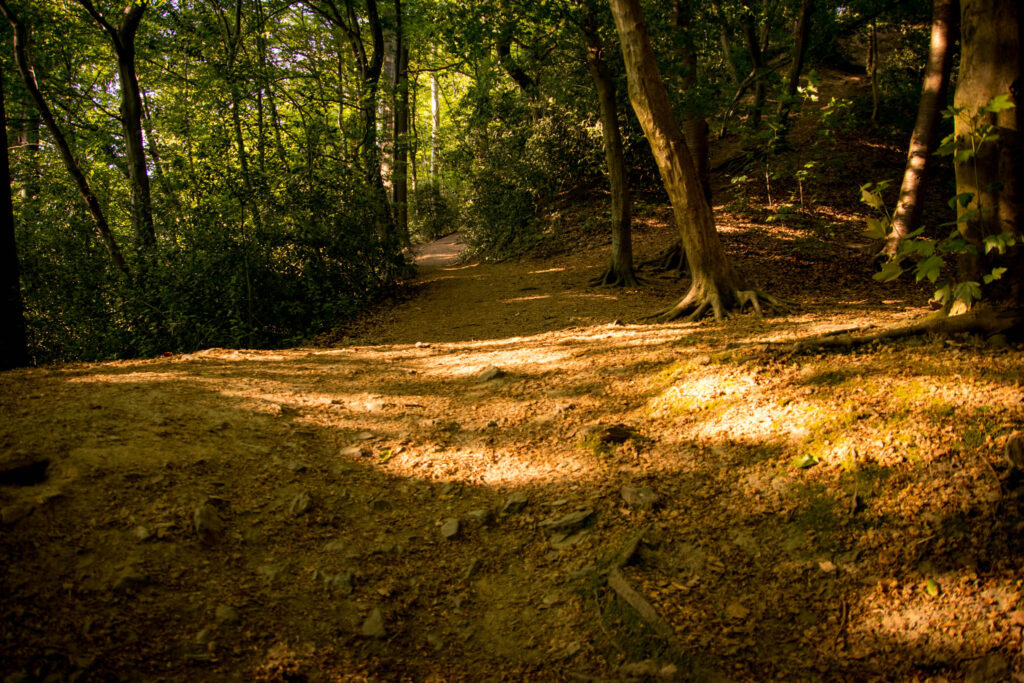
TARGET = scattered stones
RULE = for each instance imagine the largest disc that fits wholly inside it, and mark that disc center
(226, 614)
(1014, 451)
(736, 610)
(450, 528)
(422, 345)
(490, 373)
(473, 568)
(640, 497)
(270, 572)
(342, 582)
(129, 579)
(336, 546)
(23, 470)
(514, 504)
(373, 627)
(354, 451)
(482, 517)
(569, 522)
(207, 524)
(12, 514)
(301, 504)
(365, 436)
(141, 533)
(565, 540)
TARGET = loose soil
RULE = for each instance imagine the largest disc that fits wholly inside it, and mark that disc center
(800, 516)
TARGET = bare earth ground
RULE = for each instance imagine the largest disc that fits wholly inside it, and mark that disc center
(323, 482)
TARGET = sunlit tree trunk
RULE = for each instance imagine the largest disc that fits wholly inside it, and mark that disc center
(926, 128)
(716, 285)
(620, 269)
(873, 69)
(13, 344)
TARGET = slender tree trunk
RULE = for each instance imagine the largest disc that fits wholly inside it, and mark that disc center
(991, 65)
(620, 269)
(873, 69)
(435, 124)
(801, 32)
(92, 204)
(716, 285)
(400, 173)
(757, 59)
(926, 129)
(13, 343)
(122, 39)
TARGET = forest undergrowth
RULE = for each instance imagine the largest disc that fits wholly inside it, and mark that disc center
(506, 476)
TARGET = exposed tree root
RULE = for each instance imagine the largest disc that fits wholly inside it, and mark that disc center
(670, 260)
(615, 277)
(704, 298)
(983, 322)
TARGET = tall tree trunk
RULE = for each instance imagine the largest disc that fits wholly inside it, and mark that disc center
(400, 172)
(873, 69)
(122, 39)
(620, 270)
(13, 344)
(695, 126)
(801, 32)
(716, 285)
(991, 65)
(757, 60)
(435, 124)
(926, 129)
(370, 149)
(92, 205)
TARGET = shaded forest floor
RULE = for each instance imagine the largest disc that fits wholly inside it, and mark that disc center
(506, 476)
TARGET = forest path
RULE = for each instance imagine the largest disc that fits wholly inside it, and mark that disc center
(435, 495)
(444, 251)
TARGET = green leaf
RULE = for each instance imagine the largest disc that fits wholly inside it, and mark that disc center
(996, 274)
(805, 461)
(385, 455)
(999, 103)
(872, 199)
(963, 199)
(931, 588)
(942, 294)
(889, 272)
(877, 229)
(967, 292)
(963, 156)
(929, 268)
(947, 146)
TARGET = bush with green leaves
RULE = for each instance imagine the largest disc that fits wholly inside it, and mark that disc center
(516, 169)
(433, 213)
(927, 256)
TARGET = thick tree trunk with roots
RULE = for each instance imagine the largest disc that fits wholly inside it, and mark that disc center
(926, 127)
(620, 270)
(716, 286)
(991, 65)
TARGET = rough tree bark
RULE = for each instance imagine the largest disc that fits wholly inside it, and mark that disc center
(92, 205)
(716, 285)
(620, 269)
(753, 43)
(122, 39)
(13, 344)
(926, 127)
(435, 125)
(990, 65)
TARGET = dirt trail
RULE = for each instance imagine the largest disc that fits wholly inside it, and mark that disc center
(325, 481)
